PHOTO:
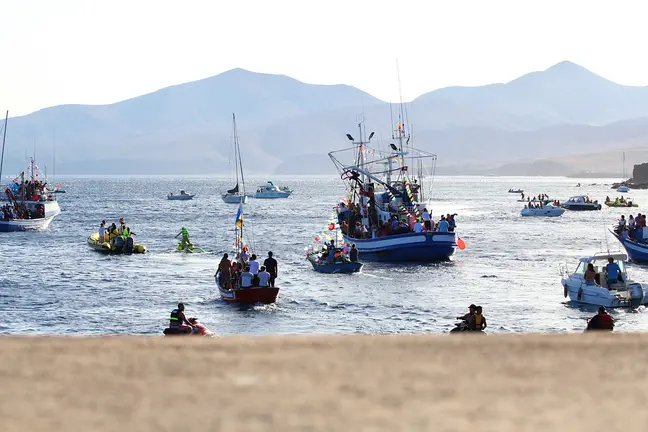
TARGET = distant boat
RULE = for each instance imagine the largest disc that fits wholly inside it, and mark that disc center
(184, 196)
(623, 188)
(234, 195)
(270, 191)
(548, 210)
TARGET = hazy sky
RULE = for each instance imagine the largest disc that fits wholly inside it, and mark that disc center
(74, 51)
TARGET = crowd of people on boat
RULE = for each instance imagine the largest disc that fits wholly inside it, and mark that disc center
(619, 201)
(14, 210)
(633, 228)
(113, 234)
(350, 222)
(246, 271)
(330, 253)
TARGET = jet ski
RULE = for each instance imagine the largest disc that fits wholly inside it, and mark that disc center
(462, 326)
(198, 330)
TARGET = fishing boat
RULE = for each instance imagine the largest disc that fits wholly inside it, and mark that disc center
(115, 246)
(26, 204)
(234, 195)
(232, 291)
(548, 210)
(621, 293)
(637, 251)
(581, 203)
(386, 187)
(183, 196)
(270, 191)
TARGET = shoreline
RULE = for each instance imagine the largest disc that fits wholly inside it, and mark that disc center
(325, 383)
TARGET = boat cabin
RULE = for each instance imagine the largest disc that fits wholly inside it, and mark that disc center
(600, 261)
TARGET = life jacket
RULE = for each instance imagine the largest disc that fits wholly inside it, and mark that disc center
(606, 322)
(475, 322)
(175, 318)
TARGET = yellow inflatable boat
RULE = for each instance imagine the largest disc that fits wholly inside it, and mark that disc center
(115, 246)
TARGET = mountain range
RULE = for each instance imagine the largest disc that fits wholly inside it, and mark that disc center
(536, 124)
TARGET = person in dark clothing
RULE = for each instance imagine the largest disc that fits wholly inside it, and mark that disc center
(271, 267)
(601, 321)
(353, 253)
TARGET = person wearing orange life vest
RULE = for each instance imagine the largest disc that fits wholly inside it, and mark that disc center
(477, 322)
(601, 321)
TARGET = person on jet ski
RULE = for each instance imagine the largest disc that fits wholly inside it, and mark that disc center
(179, 321)
(471, 312)
(185, 239)
(477, 322)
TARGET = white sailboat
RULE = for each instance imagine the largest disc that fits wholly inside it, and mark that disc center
(236, 195)
(622, 188)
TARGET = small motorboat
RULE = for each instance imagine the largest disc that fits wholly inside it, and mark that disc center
(199, 329)
(623, 189)
(637, 251)
(183, 196)
(115, 246)
(624, 293)
(581, 203)
(515, 191)
(548, 210)
(338, 265)
(628, 202)
(269, 191)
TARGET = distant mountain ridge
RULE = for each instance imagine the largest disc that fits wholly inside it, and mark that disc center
(286, 124)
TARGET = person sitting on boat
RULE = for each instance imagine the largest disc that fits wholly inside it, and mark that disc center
(590, 275)
(625, 234)
(179, 321)
(264, 278)
(353, 253)
(622, 222)
(271, 267)
(601, 321)
(418, 226)
(613, 272)
(477, 322)
(246, 278)
(185, 242)
(607, 199)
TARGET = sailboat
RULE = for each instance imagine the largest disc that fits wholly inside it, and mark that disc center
(231, 290)
(234, 195)
(623, 188)
(26, 204)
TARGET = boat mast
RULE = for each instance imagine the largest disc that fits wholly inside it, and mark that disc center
(238, 152)
(4, 138)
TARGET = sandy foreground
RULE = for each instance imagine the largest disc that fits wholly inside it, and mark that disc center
(325, 383)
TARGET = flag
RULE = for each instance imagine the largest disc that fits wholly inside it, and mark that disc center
(239, 217)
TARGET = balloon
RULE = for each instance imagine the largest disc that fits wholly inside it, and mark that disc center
(461, 244)
(317, 239)
(331, 226)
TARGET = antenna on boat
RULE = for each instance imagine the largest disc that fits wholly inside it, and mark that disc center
(4, 138)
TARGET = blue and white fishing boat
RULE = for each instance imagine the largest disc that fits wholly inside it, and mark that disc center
(387, 187)
(26, 204)
(637, 251)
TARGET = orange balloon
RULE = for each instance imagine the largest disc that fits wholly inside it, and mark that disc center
(461, 244)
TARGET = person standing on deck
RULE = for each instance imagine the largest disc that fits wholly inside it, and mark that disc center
(271, 267)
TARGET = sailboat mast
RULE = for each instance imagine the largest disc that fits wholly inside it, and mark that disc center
(238, 149)
(4, 138)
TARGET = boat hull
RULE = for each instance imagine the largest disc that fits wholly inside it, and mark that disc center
(581, 207)
(334, 268)
(271, 195)
(546, 211)
(235, 199)
(248, 296)
(105, 247)
(180, 197)
(410, 247)
(621, 205)
(581, 293)
(52, 210)
(636, 252)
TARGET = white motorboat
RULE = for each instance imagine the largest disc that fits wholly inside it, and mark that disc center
(547, 210)
(269, 190)
(184, 196)
(624, 293)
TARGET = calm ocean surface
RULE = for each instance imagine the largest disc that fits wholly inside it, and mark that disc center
(51, 282)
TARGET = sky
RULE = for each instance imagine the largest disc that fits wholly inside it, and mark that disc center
(89, 52)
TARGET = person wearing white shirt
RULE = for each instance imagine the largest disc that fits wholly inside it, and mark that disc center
(102, 231)
(264, 278)
(254, 265)
(426, 219)
(246, 278)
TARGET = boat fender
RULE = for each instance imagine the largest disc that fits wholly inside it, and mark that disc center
(598, 207)
(566, 290)
(580, 293)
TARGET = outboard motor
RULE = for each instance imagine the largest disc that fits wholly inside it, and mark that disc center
(128, 248)
(636, 294)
